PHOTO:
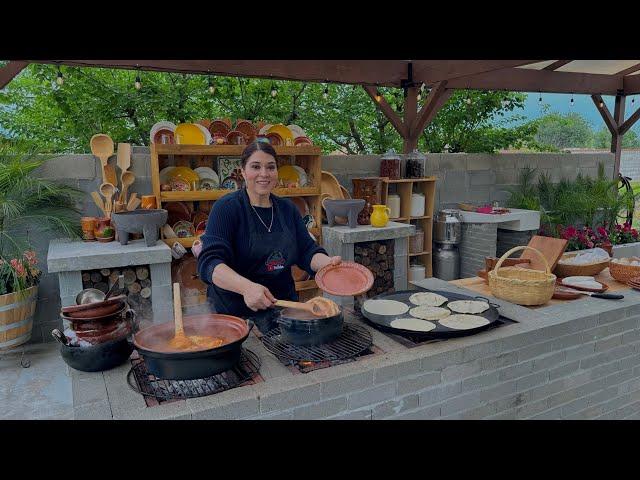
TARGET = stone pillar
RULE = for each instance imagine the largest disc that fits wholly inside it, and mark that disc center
(478, 241)
(507, 239)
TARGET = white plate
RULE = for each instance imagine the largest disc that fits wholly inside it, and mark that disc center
(159, 125)
(302, 174)
(206, 172)
(296, 130)
(164, 174)
(207, 134)
(263, 130)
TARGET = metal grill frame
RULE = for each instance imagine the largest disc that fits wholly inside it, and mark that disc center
(353, 341)
(144, 383)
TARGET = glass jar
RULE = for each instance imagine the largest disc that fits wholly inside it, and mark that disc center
(390, 165)
(415, 166)
(416, 242)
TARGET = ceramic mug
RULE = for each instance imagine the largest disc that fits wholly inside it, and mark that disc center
(178, 251)
(196, 248)
(148, 202)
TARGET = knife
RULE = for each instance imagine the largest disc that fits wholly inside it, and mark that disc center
(608, 296)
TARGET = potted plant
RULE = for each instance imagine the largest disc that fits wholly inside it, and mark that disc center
(29, 205)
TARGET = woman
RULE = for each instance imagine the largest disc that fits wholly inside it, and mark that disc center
(252, 239)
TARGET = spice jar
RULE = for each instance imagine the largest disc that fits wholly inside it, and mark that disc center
(390, 165)
(415, 166)
(416, 242)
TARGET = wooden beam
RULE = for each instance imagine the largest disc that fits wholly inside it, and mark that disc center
(628, 123)
(410, 112)
(527, 80)
(605, 113)
(616, 138)
(631, 69)
(556, 65)
(393, 117)
(10, 70)
(436, 98)
(631, 84)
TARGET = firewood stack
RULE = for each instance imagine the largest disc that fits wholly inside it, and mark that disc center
(377, 257)
(137, 287)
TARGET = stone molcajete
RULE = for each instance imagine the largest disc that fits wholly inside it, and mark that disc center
(343, 208)
(147, 222)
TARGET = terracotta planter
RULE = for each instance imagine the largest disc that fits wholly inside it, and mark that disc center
(16, 317)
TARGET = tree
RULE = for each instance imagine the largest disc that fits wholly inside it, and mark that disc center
(62, 119)
(602, 139)
(556, 131)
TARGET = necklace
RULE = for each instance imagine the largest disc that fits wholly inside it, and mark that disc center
(261, 221)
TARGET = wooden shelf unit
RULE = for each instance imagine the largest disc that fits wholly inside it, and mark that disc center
(307, 156)
(404, 188)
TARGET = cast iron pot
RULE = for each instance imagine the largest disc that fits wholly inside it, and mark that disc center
(97, 358)
(303, 328)
(151, 343)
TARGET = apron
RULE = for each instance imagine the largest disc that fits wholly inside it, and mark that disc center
(270, 256)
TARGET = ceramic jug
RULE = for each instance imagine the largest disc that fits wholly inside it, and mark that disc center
(380, 215)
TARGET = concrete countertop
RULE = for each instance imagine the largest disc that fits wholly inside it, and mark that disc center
(390, 378)
(517, 219)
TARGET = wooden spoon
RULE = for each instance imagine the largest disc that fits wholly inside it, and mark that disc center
(107, 190)
(127, 180)
(133, 203)
(180, 341)
(111, 175)
(319, 306)
(102, 147)
(124, 156)
(98, 201)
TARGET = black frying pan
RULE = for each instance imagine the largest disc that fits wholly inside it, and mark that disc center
(383, 322)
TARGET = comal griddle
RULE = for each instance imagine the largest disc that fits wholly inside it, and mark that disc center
(383, 322)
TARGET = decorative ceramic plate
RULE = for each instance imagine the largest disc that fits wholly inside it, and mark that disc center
(207, 135)
(227, 165)
(296, 131)
(189, 134)
(275, 139)
(283, 131)
(165, 126)
(164, 136)
(288, 173)
(308, 220)
(183, 173)
(179, 185)
(177, 211)
(206, 172)
(303, 175)
(164, 174)
(264, 129)
(199, 216)
(345, 279)
(231, 183)
(331, 186)
(184, 229)
(208, 184)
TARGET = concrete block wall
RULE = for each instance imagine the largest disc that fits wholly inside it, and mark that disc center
(507, 239)
(478, 241)
(461, 178)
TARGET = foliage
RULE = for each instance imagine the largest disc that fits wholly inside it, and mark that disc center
(602, 139)
(585, 237)
(62, 119)
(30, 205)
(19, 274)
(556, 131)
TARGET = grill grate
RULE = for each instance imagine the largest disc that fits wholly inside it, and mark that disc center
(353, 341)
(141, 381)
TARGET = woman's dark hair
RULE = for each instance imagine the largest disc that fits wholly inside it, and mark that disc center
(254, 147)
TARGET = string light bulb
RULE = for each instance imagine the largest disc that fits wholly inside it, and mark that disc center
(540, 99)
(325, 94)
(504, 102)
(601, 104)
(274, 90)
(59, 77)
(571, 101)
(138, 82)
(468, 100)
(378, 96)
(212, 87)
(632, 101)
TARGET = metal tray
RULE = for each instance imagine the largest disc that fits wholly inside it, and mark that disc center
(383, 322)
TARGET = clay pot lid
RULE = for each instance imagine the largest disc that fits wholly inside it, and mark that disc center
(346, 279)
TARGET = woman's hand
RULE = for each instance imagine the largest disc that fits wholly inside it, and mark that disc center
(258, 297)
(320, 260)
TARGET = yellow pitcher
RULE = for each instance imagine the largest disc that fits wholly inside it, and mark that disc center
(380, 215)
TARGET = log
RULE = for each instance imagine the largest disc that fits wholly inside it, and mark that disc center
(105, 272)
(142, 273)
(86, 277)
(96, 277)
(145, 283)
(388, 276)
(145, 292)
(366, 261)
(135, 288)
(382, 249)
(384, 266)
(102, 286)
(129, 276)
(114, 276)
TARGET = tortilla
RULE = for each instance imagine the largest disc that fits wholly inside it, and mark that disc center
(427, 298)
(429, 313)
(461, 321)
(468, 306)
(414, 324)
(385, 307)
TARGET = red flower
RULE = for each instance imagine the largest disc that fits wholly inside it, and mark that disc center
(602, 232)
(570, 232)
(634, 232)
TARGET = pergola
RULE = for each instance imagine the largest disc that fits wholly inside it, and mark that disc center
(619, 78)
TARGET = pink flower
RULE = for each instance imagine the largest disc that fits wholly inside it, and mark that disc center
(602, 232)
(18, 267)
(30, 256)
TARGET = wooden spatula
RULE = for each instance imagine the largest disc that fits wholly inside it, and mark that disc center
(102, 147)
(124, 157)
(180, 341)
(97, 199)
(110, 174)
(133, 203)
(127, 180)
(320, 307)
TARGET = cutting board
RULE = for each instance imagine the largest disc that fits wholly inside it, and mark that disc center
(551, 249)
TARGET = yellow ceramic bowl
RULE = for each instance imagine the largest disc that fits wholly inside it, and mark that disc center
(288, 173)
(183, 173)
(189, 134)
(283, 131)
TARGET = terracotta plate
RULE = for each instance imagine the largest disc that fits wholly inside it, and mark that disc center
(177, 211)
(604, 288)
(345, 279)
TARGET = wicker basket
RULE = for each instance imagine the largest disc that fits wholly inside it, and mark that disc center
(522, 286)
(589, 269)
(623, 273)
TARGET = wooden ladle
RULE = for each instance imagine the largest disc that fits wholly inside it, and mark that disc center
(180, 341)
(107, 190)
(127, 179)
(318, 306)
(102, 147)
